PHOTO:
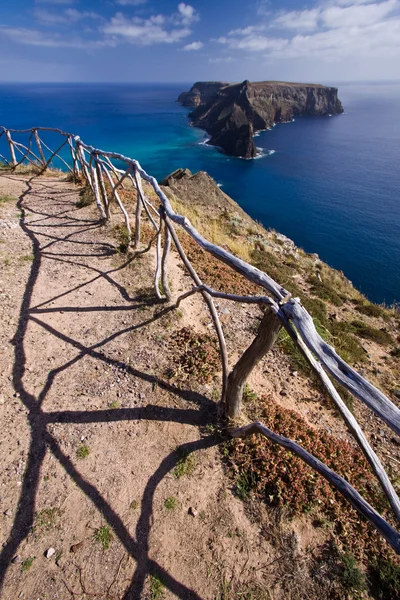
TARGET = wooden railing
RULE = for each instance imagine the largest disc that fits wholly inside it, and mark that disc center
(105, 174)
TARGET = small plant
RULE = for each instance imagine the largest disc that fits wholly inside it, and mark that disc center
(45, 520)
(122, 235)
(27, 258)
(83, 452)
(104, 536)
(171, 503)
(386, 574)
(85, 197)
(248, 394)
(352, 576)
(27, 563)
(6, 198)
(114, 404)
(156, 588)
(186, 464)
(134, 505)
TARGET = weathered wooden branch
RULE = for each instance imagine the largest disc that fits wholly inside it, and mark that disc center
(39, 147)
(164, 263)
(349, 419)
(157, 274)
(342, 372)
(114, 194)
(96, 190)
(11, 148)
(211, 306)
(355, 499)
(266, 337)
(139, 204)
(103, 190)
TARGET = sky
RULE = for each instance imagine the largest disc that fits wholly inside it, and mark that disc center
(171, 41)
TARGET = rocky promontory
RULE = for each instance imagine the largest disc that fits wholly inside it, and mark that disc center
(232, 113)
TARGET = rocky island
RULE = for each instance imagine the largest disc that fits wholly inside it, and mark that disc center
(232, 113)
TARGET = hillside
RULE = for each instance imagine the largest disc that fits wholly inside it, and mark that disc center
(130, 477)
(233, 113)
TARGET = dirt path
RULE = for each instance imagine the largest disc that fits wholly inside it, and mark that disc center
(103, 458)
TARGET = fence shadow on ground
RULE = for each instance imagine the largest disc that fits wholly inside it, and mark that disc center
(43, 441)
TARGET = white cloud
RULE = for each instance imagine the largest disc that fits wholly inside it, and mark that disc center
(35, 37)
(187, 14)
(357, 15)
(335, 30)
(69, 15)
(193, 46)
(144, 32)
(221, 59)
(131, 2)
(297, 19)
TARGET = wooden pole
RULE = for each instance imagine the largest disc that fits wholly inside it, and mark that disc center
(336, 480)
(211, 306)
(264, 340)
(39, 146)
(11, 147)
(164, 262)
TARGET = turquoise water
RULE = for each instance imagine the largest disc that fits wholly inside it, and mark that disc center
(332, 183)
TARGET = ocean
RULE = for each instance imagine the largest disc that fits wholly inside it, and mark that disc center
(332, 184)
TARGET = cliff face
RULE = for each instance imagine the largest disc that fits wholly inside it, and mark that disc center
(233, 113)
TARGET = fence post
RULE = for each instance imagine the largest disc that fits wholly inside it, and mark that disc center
(12, 151)
(262, 343)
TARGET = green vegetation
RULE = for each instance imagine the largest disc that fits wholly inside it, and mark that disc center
(367, 332)
(324, 290)
(85, 197)
(171, 503)
(352, 576)
(248, 394)
(186, 464)
(114, 404)
(45, 520)
(156, 588)
(27, 258)
(27, 563)
(104, 536)
(83, 452)
(7, 198)
(386, 576)
(122, 236)
(200, 358)
(134, 505)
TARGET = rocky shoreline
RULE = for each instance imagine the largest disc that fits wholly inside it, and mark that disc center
(233, 113)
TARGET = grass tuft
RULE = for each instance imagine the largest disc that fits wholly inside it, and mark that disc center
(104, 536)
(83, 452)
(171, 503)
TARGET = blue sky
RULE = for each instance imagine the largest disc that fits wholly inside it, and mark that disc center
(165, 40)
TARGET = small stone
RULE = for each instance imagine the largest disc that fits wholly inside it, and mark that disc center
(294, 373)
(192, 512)
(141, 396)
(382, 433)
(2, 400)
(50, 552)
(75, 547)
(8, 513)
(16, 560)
(283, 393)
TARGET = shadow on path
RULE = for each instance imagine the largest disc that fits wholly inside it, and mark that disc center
(42, 441)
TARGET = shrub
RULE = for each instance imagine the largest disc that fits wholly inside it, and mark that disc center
(371, 333)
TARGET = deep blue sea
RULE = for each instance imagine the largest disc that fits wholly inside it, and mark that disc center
(332, 184)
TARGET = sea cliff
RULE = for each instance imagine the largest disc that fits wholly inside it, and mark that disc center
(232, 113)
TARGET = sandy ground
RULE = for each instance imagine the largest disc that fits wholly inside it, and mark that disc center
(82, 357)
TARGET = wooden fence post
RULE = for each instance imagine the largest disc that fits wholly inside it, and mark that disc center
(11, 147)
(264, 340)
